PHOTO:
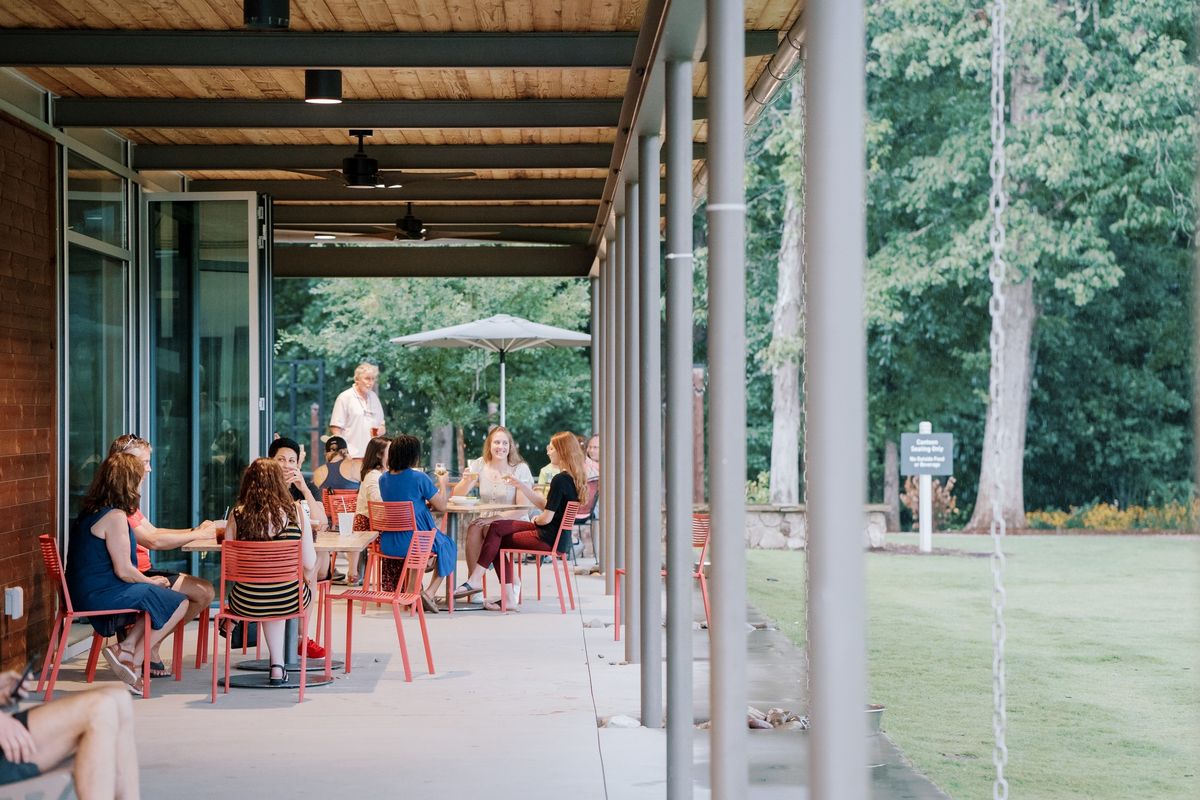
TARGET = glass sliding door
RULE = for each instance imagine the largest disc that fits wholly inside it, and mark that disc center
(206, 416)
(97, 363)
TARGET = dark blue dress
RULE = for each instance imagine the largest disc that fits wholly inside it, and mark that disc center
(415, 487)
(94, 585)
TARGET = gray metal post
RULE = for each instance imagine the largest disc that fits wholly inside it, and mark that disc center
(650, 402)
(599, 326)
(680, 455)
(630, 604)
(617, 511)
(836, 413)
(595, 353)
(727, 394)
(607, 443)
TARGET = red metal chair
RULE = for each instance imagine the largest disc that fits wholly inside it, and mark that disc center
(700, 531)
(335, 501)
(397, 515)
(406, 595)
(509, 560)
(66, 614)
(263, 562)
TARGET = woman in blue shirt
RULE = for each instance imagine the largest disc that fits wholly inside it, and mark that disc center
(403, 481)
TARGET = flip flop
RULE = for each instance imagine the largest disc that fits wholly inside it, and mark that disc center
(159, 670)
(465, 590)
(123, 671)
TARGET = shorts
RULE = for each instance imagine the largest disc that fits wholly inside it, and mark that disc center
(164, 573)
(12, 772)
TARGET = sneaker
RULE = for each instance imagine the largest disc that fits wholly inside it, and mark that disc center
(314, 650)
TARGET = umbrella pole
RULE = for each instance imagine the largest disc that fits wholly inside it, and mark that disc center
(502, 390)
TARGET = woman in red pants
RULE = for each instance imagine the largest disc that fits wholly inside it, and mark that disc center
(537, 533)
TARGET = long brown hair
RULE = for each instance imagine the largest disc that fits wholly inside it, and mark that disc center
(373, 458)
(514, 457)
(570, 456)
(117, 484)
(263, 501)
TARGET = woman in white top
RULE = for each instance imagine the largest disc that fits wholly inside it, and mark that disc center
(500, 460)
(368, 489)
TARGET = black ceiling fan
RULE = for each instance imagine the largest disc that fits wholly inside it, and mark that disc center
(361, 171)
(408, 228)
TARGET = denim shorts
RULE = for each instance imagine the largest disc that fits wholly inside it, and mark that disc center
(12, 772)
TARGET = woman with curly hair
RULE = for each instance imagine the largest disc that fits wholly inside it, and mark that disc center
(265, 511)
(102, 570)
(568, 485)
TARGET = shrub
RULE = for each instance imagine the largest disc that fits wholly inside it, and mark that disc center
(945, 505)
(1096, 516)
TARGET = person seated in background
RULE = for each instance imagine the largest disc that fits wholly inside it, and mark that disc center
(286, 452)
(96, 727)
(199, 592)
(102, 569)
(568, 485)
(499, 460)
(266, 511)
(368, 489)
(404, 482)
(339, 470)
(591, 460)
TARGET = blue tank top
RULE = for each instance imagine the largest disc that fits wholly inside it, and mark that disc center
(334, 479)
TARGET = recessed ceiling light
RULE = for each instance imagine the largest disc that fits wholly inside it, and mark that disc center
(324, 236)
(323, 86)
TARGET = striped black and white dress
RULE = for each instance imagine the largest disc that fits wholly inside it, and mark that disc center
(268, 599)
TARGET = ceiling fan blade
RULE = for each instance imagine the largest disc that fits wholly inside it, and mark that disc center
(309, 236)
(326, 174)
(443, 234)
(400, 176)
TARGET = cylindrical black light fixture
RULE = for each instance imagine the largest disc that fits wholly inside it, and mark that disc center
(268, 14)
(323, 86)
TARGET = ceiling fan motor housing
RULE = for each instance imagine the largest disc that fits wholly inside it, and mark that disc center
(360, 170)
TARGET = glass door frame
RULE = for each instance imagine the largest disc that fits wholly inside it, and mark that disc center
(258, 290)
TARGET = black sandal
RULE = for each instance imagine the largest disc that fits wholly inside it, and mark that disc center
(273, 681)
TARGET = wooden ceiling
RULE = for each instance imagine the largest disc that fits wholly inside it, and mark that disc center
(469, 76)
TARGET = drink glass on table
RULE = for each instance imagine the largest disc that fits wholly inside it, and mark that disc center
(220, 529)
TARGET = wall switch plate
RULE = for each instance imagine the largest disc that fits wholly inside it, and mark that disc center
(14, 602)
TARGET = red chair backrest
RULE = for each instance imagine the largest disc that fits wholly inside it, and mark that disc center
(257, 562)
(54, 570)
(589, 499)
(413, 572)
(335, 501)
(700, 531)
(568, 522)
(392, 516)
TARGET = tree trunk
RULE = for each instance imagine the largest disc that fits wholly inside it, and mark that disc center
(460, 449)
(891, 484)
(786, 342)
(1018, 323)
(441, 445)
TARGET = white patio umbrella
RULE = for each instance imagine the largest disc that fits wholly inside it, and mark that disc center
(501, 334)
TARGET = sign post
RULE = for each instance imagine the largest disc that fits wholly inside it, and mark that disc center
(926, 454)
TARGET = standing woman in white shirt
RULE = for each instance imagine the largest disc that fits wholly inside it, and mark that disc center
(357, 413)
(500, 460)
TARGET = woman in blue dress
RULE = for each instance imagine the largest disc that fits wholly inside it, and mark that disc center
(403, 481)
(102, 568)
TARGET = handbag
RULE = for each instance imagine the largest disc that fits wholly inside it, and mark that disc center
(238, 637)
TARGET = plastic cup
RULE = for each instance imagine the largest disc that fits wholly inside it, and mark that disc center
(221, 530)
(345, 523)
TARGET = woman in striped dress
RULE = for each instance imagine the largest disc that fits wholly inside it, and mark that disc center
(265, 511)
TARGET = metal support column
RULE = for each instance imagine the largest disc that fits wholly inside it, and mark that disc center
(727, 394)
(599, 325)
(650, 402)
(607, 445)
(679, 456)
(837, 409)
(630, 601)
(617, 435)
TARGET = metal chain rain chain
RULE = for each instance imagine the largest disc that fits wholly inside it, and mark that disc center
(998, 203)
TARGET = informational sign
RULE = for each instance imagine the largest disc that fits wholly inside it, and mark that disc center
(926, 454)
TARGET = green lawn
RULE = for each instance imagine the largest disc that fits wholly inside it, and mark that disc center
(1103, 661)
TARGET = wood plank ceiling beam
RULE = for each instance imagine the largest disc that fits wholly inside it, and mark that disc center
(306, 261)
(442, 190)
(329, 49)
(458, 216)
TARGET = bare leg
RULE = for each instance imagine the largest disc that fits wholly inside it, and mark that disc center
(273, 632)
(199, 594)
(352, 569)
(474, 543)
(98, 727)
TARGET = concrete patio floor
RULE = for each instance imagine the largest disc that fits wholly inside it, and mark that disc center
(511, 713)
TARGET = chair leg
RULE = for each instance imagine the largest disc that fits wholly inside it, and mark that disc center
(403, 646)
(216, 628)
(59, 619)
(58, 657)
(539, 577)
(349, 633)
(321, 594)
(570, 589)
(201, 637)
(177, 653)
(303, 652)
(704, 597)
(94, 657)
(617, 605)
(258, 640)
(146, 656)
(451, 583)
(227, 659)
(557, 581)
(425, 637)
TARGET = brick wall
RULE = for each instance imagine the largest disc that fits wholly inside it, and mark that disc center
(28, 392)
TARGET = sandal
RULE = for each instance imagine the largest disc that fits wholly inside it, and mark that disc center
(428, 603)
(465, 589)
(124, 669)
(272, 680)
(159, 670)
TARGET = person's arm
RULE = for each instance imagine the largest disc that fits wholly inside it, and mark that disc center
(438, 501)
(308, 549)
(466, 483)
(113, 528)
(525, 476)
(523, 490)
(149, 536)
(230, 527)
(377, 406)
